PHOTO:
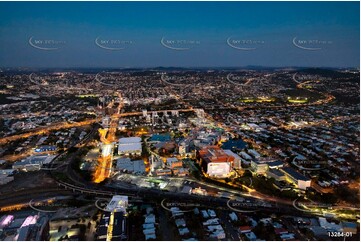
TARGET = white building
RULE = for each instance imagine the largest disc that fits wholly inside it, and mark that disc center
(33, 163)
(296, 178)
(215, 161)
(106, 122)
(155, 163)
(259, 167)
(118, 204)
(218, 169)
(182, 149)
(130, 146)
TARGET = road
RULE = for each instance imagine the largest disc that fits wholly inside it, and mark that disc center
(107, 137)
(20, 199)
(66, 125)
(232, 233)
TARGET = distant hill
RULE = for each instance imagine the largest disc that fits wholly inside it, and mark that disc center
(332, 73)
(328, 72)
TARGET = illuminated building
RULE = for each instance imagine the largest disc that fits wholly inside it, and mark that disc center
(44, 148)
(5, 221)
(106, 122)
(174, 163)
(275, 164)
(296, 178)
(262, 166)
(113, 225)
(237, 159)
(155, 163)
(182, 148)
(180, 172)
(276, 174)
(215, 162)
(131, 145)
(163, 172)
(107, 150)
(259, 167)
(33, 163)
(118, 204)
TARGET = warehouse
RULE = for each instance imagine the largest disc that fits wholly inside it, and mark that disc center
(136, 166)
(130, 146)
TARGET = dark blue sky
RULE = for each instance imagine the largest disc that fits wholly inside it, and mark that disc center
(262, 33)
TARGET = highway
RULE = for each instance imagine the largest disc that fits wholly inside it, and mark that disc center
(107, 137)
(20, 199)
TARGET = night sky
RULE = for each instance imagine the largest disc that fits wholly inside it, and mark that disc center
(195, 34)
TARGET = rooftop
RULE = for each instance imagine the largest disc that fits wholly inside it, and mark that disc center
(215, 154)
(296, 175)
(130, 140)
